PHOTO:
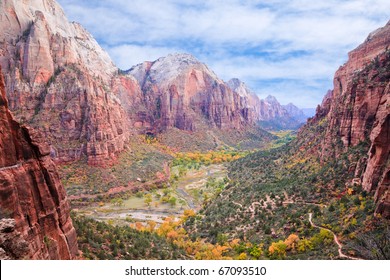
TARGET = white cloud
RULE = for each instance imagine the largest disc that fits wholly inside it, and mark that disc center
(305, 40)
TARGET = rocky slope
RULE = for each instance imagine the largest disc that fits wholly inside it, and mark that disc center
(12, 244)
(358, 111)
(58, 79)
(31, 195)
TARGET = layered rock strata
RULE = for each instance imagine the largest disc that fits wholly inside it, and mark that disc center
(180, 92)
(58, 79)
(31, 194)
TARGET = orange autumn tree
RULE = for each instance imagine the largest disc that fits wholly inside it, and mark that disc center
(278, 250)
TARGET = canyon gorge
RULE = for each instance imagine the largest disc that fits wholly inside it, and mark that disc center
(74, 124)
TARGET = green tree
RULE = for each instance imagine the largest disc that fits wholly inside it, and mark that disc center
(172, 201)
(256, 252)
(148, 199)
(222, 239)
(117, 201)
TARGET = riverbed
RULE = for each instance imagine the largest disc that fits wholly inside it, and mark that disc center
(189, 192)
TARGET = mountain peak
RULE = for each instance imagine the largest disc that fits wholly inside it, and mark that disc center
(167, 68)
(180, 57)
(240, 87)
(43, 23)
(291, 107)
(271, 99)
(295, 112)
(235, 82)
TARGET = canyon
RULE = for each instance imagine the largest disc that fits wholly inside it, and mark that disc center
(60, 81)
(158, 131)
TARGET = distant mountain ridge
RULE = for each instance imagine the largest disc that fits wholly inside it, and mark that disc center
(295, 112)
(269, 112)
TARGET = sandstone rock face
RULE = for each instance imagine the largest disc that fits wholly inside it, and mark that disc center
(250, 100)
(59, 79)
(31, 194)
(358, 110)
(180, 92)
(272, 109)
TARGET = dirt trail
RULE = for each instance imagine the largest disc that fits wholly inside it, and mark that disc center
(290, 201)
(336, 240)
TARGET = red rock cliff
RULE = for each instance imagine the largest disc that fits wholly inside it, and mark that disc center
(31, 192)
(181, 92)
(58, 79)
(358, 110)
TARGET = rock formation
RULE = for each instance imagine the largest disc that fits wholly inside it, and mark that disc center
(12, 245)
(249, 98)
(357, 111)
(181, 92)
(59, 79)
(34, 209)
(268, 111)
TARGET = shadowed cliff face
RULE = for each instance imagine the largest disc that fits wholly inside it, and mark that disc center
(31, 194)
(358, 110)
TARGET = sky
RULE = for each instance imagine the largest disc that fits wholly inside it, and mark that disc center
(286, 48)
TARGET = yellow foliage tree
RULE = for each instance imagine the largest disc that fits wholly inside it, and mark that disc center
(188, 213)
(278, 249)
(151, 226)
(303, 245)
(234, 243)
(148, 199)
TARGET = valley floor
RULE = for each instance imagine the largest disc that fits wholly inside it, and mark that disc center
(188, 193)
